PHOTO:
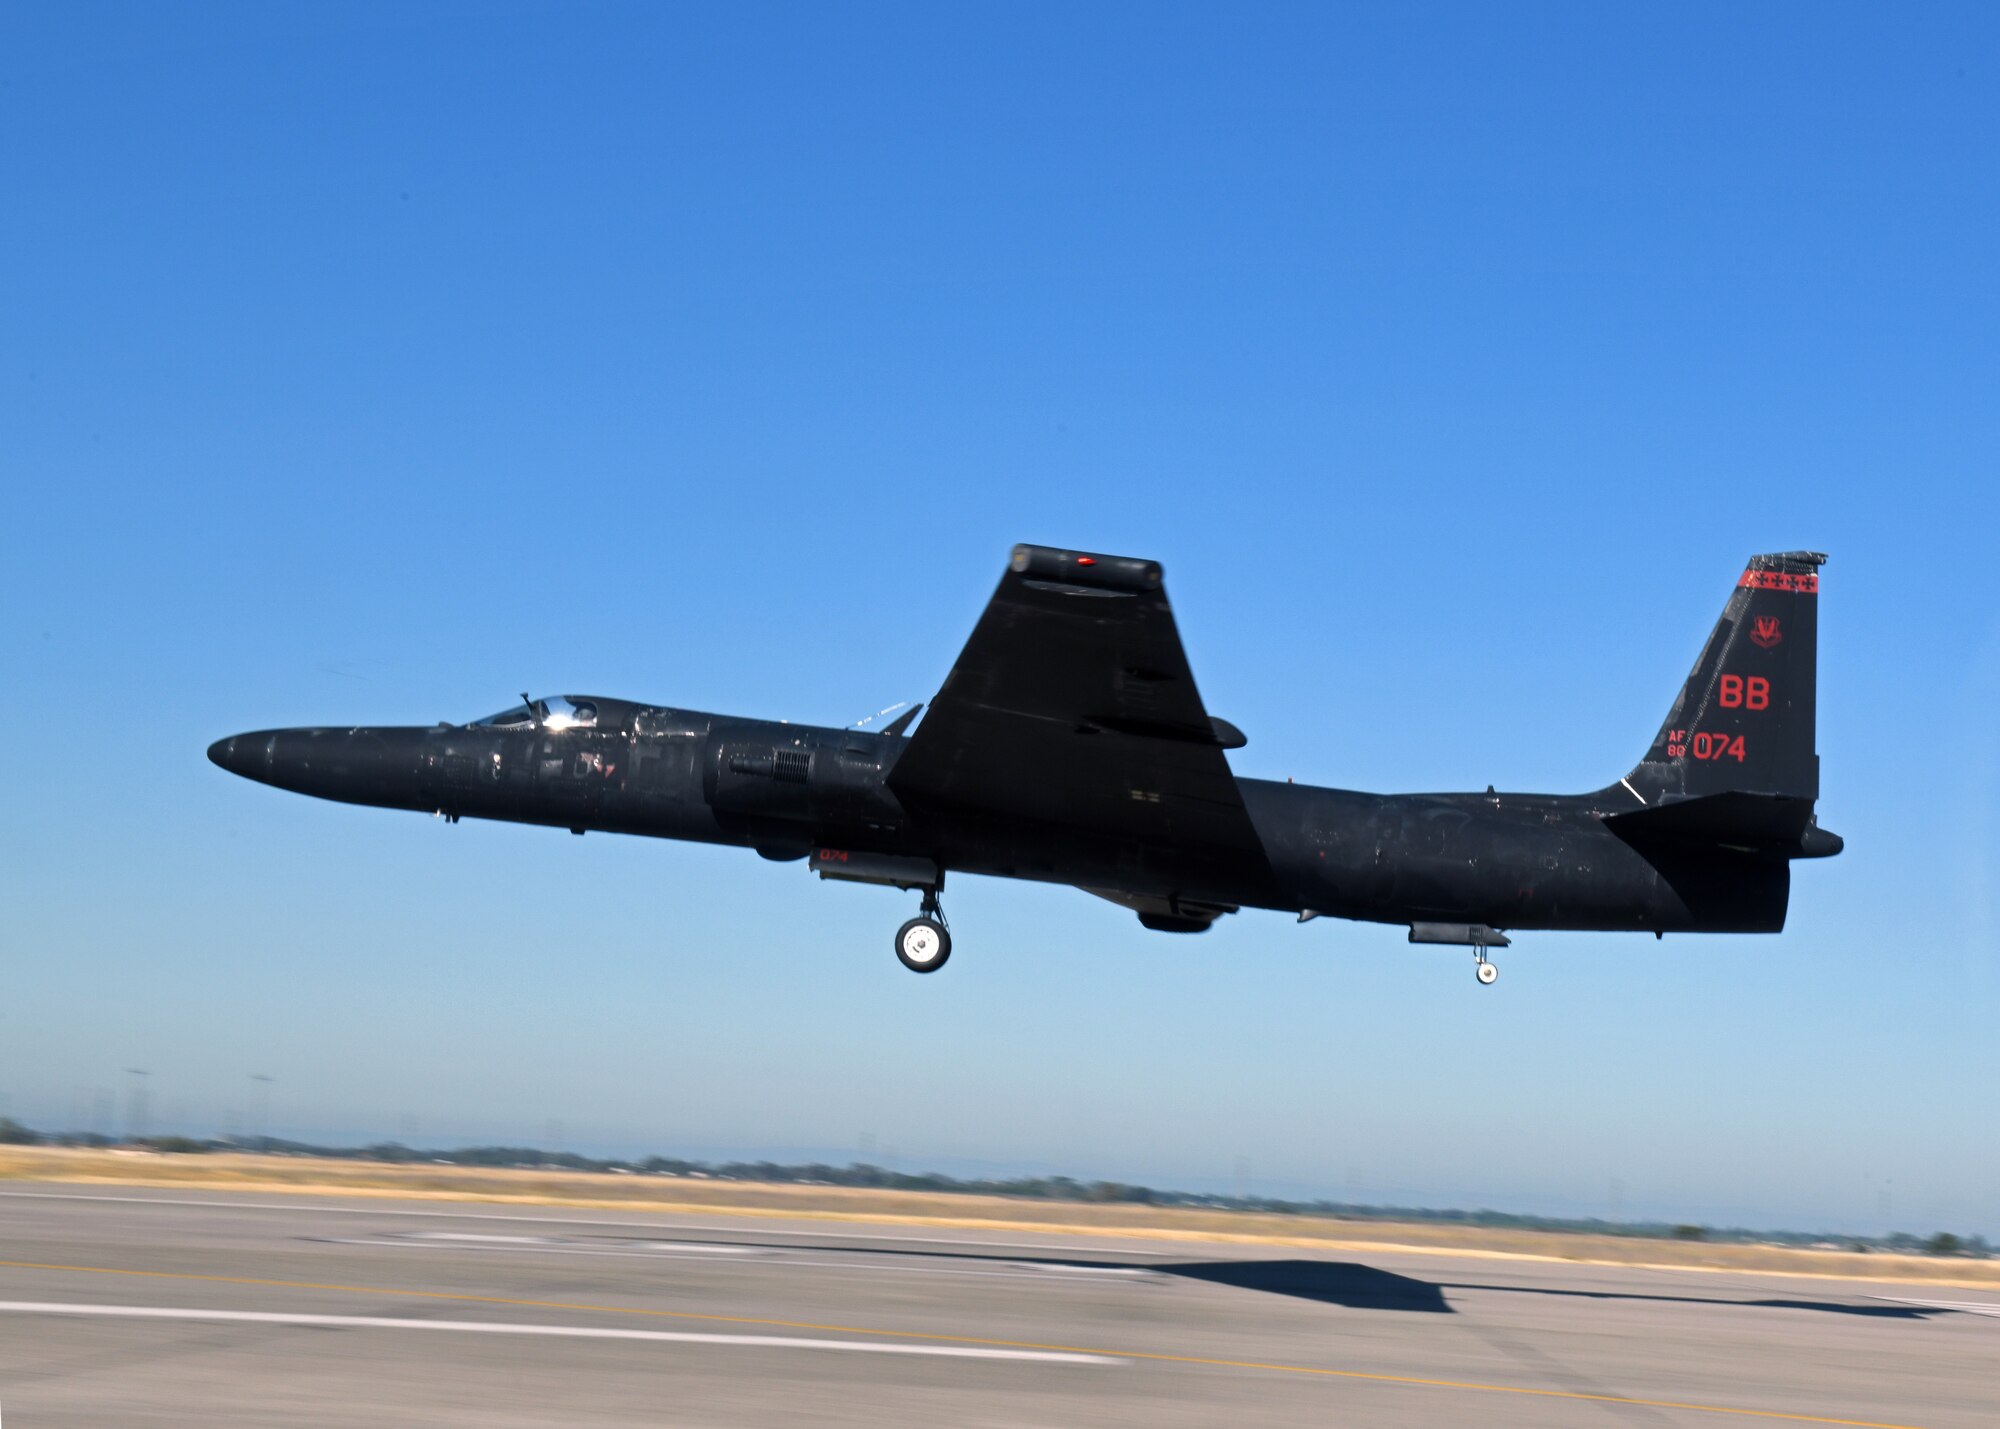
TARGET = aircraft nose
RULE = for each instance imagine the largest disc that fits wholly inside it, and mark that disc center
(246, 754)
(354, 765)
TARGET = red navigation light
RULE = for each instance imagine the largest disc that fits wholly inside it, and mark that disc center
(1086, 560)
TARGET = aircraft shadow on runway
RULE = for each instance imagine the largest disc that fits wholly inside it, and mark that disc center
(1363, 1287)
(1831, 1307)
(1354, 1286)
(1351, 1285)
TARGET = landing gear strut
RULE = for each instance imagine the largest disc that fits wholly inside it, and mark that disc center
(1476, 936)
(923, 943)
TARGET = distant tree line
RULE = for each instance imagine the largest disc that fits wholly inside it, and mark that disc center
(1034, 1188)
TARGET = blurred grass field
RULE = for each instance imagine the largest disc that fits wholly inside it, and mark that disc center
(687, 1195)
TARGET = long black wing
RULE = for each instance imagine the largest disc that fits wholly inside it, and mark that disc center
(1073, 704)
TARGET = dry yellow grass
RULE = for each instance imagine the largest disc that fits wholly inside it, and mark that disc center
(665, 1195)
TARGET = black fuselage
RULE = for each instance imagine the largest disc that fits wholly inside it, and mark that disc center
(1515, 861)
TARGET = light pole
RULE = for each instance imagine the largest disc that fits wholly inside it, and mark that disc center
(260, 1109)
(135, 1110)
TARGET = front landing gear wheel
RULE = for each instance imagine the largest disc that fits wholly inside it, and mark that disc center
(922, 945)
(1486, 973)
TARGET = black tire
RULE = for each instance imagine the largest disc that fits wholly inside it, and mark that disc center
(917, 936)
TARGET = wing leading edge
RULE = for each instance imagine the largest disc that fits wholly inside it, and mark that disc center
(1072, 703)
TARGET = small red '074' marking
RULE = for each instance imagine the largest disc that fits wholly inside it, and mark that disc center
(1717, 746)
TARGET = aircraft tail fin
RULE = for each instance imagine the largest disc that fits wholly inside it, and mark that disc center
(1744, 721)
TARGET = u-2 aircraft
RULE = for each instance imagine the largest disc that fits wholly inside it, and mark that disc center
(1069, 745)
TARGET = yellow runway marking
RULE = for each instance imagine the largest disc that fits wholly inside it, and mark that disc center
(1153, 1355)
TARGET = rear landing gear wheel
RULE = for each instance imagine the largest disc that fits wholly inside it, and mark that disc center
(1486, 973)
(922, 945)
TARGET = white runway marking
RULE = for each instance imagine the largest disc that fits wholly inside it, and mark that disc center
(573, 1332)
(752, 1229)
(1970, 1307)
(675, 1247)
(527, 1247)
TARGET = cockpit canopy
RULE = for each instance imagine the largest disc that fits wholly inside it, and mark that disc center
(555, 712)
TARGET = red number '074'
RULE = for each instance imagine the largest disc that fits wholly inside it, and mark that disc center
(1717, 746)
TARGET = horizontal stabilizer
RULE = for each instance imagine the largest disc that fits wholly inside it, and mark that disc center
(1761, 823)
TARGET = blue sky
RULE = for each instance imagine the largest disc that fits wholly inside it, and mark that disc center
(373, 363)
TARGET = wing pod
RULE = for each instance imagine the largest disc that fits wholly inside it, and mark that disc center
(1120, 573)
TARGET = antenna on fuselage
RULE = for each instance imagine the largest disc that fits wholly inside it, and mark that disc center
(533, 713)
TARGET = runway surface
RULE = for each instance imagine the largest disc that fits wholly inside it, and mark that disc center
(136, 1307)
